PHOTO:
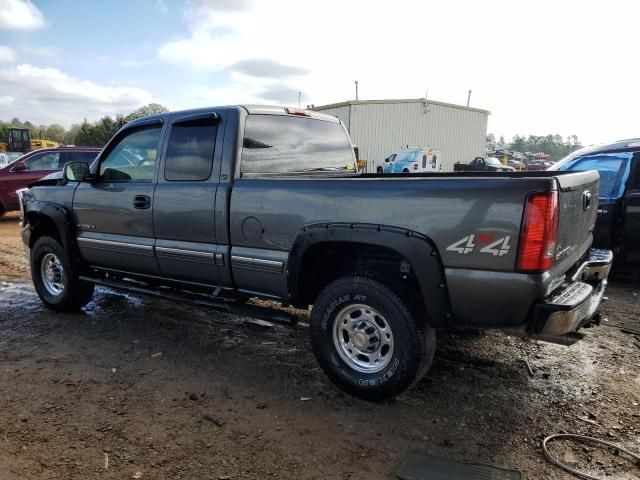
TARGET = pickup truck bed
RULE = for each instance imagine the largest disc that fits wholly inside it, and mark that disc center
(264, 201)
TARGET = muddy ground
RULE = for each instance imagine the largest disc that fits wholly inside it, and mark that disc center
(137, 386)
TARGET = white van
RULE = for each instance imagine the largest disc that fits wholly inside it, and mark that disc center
(412, 160)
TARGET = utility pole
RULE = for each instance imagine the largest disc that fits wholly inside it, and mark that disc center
(356, 90)
(468, 98)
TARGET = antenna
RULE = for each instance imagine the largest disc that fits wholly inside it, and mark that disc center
(356, 90)
(468, 98)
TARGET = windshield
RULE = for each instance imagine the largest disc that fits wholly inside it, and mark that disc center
(612, 167)
(493, 161)
(408, 156)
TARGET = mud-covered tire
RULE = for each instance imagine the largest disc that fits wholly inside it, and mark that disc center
(378, 311)
(405, 170)
(55, 277)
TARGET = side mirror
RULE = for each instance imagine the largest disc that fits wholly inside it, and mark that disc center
(20, 166)
(76, 171)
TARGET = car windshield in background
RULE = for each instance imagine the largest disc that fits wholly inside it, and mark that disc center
(282, 145)
(612, 167)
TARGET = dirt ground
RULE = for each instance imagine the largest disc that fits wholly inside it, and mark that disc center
(134, 386)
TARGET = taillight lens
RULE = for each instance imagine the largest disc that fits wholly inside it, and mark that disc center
(539, 232)
(415, 166)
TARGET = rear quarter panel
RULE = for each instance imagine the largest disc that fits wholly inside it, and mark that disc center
(446, 209)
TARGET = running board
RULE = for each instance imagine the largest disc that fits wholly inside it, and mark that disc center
(255, 311)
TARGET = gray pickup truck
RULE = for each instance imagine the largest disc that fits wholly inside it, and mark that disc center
(218, 205)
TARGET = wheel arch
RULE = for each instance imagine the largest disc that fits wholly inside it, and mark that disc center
(48, 218)
(321, 243)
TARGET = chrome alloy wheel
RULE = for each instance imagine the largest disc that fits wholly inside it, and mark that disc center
(52, 274)
(363, 338)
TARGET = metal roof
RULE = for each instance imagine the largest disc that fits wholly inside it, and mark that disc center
(399, 100)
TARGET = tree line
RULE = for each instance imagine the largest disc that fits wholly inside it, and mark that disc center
(555, 146)
(86, 134)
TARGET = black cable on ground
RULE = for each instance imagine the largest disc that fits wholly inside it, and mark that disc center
(581, 438)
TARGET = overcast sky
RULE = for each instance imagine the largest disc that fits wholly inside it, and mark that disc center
(567, 67)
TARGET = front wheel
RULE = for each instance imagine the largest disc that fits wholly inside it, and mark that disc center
(380, 170)
(366, 339)
(55, 277)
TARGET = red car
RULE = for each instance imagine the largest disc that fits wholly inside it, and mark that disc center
(35, 165)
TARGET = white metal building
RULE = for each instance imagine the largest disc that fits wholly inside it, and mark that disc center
(382, 127)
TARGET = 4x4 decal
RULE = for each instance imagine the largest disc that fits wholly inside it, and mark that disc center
(486, 242)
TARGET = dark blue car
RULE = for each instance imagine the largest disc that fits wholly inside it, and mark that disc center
(618, 224)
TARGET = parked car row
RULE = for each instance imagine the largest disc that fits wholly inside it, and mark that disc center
(33, 166)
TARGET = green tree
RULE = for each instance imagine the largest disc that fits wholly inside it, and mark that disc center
(553, 145)
(151, 109)
(55, 132)
(70, 135)
(98, 133)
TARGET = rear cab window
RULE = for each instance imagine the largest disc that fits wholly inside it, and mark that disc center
(286, 145)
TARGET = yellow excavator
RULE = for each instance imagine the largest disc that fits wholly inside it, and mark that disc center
(20, 141)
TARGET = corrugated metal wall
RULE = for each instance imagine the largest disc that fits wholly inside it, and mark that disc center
(380, 129)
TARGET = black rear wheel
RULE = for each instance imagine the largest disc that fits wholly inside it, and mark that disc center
(55, 277)
(366, 339)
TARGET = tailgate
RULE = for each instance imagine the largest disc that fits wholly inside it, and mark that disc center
(578, 206)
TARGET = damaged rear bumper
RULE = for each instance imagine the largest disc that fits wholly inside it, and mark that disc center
(574, 303)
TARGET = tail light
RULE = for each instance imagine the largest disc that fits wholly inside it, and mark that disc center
(415, 166)
(539, 232)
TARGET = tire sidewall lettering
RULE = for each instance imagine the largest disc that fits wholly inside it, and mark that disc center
(330, 309)
(374, 382)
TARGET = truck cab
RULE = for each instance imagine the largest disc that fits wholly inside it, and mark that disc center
(618, 222)
(483, 164)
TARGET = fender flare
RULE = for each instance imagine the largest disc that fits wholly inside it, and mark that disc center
(59, 216)
(418, 249)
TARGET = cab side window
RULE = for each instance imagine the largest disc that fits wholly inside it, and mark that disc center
(45, 161)
(133, 158)
(190, 151)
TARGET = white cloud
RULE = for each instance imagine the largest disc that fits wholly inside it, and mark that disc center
(48, 95)
(7, 54)
(570, 72)
(20, 15)
(6, 100)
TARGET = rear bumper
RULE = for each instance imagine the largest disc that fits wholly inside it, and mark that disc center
(575, 302)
